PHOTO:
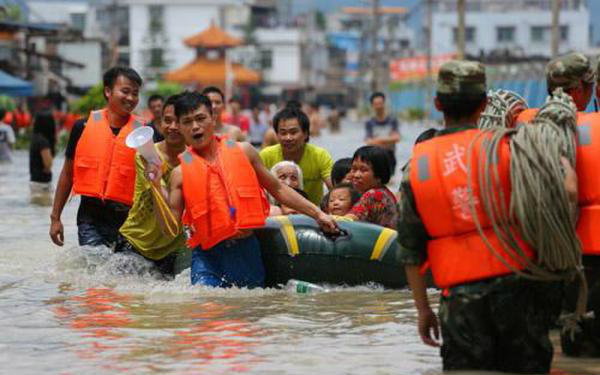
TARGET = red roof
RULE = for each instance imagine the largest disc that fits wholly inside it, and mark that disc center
(213, 37)
(212, 72)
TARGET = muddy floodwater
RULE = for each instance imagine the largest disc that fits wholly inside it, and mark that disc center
(76, 310)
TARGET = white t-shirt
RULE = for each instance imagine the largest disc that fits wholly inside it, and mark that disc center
(7, 138)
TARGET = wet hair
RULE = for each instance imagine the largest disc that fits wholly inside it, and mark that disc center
(340, 169)
(154, 97)
(287, 163)
(289, 113)
(379, 160)
(293, 104)
(110, 76)
(458, 106)
(213, 89)
(354, 194)
(171, 100)
(377, 94)
(45, 126)
(189, 101)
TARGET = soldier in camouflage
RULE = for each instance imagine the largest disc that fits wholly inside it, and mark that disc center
(575, 75)
(496, 324)
(586, 341)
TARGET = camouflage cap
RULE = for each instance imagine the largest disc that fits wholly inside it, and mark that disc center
(461, 77)
(566, 71)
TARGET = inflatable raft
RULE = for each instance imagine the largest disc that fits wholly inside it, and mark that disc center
(294, 247)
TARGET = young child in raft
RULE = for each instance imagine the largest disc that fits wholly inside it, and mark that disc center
(341, 199)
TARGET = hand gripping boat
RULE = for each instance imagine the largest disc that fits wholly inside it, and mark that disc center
(294, 247)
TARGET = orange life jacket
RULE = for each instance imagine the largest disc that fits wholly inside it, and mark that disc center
(104, 167)
(438, 177)
(218, 214)
(8, 118)
(588, 181)
(526, 116)
(22, 119)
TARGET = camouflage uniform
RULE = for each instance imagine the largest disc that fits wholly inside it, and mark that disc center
(498, 324)
(566, 72)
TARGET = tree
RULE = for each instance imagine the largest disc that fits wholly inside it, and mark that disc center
(92, 100)
(165, 89)
(10, 13)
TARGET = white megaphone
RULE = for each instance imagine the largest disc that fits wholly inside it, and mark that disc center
(141, 140)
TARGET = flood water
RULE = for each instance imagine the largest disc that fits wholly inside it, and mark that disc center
(75, 310)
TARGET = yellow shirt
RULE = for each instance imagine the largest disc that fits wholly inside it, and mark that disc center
(142, 228)
(316, 164)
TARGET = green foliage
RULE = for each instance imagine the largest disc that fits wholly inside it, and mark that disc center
(7, 103)
(415, 114)
(23, 138)
(165, 89)
(10, 13)
(92, 100)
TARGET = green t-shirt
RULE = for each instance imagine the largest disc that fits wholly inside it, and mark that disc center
(142, 229)
(316, 164)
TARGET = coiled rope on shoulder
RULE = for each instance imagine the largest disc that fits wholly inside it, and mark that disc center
(502, 109)
(539, 210)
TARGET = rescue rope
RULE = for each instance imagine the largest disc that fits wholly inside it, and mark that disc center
(502, 109)
(539, 210)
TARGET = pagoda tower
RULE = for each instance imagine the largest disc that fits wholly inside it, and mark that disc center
(210, 66)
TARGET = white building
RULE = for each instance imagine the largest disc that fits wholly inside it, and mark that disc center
(520, 26)
(84, 48)
(157, 29)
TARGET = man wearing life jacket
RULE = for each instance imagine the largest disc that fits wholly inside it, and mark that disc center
(586, 342)
(99, 166)
(218, 192)
(572, 72)
(491, 319)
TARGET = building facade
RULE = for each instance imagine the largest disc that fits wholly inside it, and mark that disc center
(516, 27)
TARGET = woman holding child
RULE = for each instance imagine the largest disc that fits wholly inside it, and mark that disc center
(371, 171)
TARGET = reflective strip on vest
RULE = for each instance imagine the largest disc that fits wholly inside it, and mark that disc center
(584, 136)
(588, 181)
(423, 167)
(104, 167)
(219, 215)
(440, 185)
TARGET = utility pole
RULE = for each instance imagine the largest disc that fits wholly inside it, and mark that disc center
(114, 34)
(428, 80)
(555, 27)
(460, 30)
(375, 58)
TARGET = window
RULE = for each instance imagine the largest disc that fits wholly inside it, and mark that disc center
(564, 33)
(156, 18)
(544, 33)
(469, 34)
(156, 57)
(266, 59)
(78, 21)
(505, 34)
(537, 33)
